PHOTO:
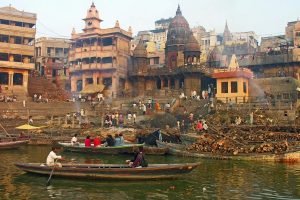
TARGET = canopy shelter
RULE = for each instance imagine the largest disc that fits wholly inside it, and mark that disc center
(91, 89)
(28, 127)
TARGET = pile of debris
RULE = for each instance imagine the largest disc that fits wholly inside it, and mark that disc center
(228, 145)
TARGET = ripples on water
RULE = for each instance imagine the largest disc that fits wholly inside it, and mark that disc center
(214, 179)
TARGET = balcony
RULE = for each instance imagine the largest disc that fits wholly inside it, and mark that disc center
(16, 65)
(55, 65)
(17, 31)
(92, 66)
(16, 49)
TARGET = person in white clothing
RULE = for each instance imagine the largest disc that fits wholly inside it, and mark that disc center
(74, 140)
(52, 158)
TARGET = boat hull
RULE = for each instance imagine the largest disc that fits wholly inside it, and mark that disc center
(179, 150)
(124, 149)
(12, 144)
(111, 172)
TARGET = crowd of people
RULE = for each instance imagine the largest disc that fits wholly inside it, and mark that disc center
(109, 141)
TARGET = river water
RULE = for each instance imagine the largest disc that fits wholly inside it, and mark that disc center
(213, 179)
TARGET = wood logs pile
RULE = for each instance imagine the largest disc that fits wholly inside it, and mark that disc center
(226, 146)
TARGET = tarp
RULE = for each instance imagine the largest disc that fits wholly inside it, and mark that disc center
(28, 127)
(91, 89)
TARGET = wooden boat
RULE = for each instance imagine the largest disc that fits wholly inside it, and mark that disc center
(111, 171)
(12, 144)
(80, 148)
(180, 150)
(189, 138)
(124, 149)
(153, 150)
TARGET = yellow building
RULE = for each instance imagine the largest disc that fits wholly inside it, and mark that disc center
(17, 33)
(233, 83)
(99, 56)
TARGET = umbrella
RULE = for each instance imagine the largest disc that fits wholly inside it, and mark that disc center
(27, 127)
(90, 89)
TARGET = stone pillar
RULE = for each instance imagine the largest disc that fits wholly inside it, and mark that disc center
(10, 78)
(169, 83)
(83, 81)
(73, 84)
(95, 75)
(162, 83)
(25, 81)
(115, 86)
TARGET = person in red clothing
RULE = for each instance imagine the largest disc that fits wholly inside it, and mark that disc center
(87, 141)
(199, 126)
(97, 141)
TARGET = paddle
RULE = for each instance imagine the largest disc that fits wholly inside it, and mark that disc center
(48, 181)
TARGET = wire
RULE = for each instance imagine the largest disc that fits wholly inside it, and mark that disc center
(50, 30)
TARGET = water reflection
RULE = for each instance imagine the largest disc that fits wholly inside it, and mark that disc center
(213, 179)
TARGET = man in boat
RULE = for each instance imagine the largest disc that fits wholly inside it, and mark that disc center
(52, 158)
(74, 140)
(110, 141)
(139, 159)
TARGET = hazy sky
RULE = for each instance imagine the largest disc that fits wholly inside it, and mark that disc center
(56, 18)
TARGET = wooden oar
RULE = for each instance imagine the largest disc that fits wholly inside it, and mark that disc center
(48, 181)
(7, 134)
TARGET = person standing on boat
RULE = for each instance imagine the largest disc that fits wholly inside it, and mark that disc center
(74, 140)
(52, 158)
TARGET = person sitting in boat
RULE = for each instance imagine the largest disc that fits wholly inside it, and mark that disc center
(117, 140)
(139, 160)
(97, 141)
(121, 139)
(52, 158)
(74, 140)
(109, 141)
(87, 141)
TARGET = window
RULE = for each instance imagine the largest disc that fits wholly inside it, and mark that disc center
(244, 87)
(106, 60)
(297, 34)
(156, 61)
(89, 81)
(107, 81)
(286, 96)
(234, 87)
(3, 78)
(224, 87)
(107, 41)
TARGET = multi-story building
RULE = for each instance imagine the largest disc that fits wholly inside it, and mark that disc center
(99, 57)
(52, 56)
(17, 33)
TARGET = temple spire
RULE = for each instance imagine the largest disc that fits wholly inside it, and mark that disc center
(226, 35)
(178, 12)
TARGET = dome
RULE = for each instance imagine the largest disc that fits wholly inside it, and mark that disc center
(92, 12)
(179, 29)
(140, 50)
(192, 44)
